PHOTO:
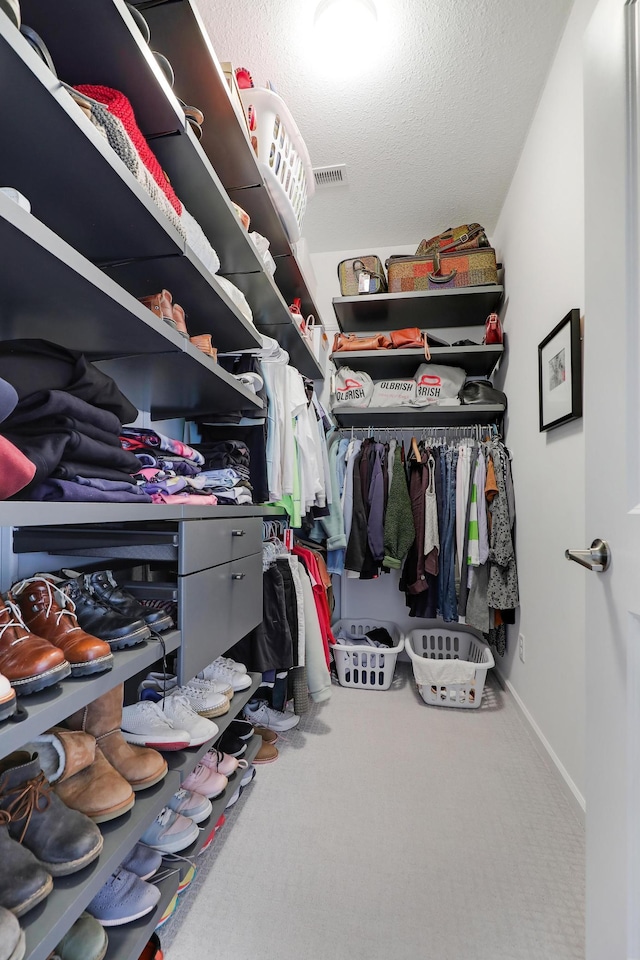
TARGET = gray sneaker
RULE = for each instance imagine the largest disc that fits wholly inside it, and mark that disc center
(143, 861)
(12, 944)
(170, 832)
(260, 714)
(123, 898)
(191, 805)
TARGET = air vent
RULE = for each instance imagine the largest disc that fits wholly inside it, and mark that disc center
(331, 176)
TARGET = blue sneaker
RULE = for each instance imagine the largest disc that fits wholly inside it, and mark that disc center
(143, 861)
(170, 832)
(191, 805)
(123, 898)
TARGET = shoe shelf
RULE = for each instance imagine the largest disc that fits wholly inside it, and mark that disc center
(129, 940)
(185, 761)
(46, 709)
(219, 805)
(16, 513)
(105, 214)
(421, 416)
(45, 925)
(477, 361)
(460, 307)
(99, 42)
(164, 371)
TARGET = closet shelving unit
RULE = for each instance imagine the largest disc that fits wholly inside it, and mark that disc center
(71, 271)
(101, 44)
(178, 31)
(430, 310)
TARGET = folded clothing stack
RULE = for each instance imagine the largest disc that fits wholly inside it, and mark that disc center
(168, 470)
(376, 637)
(227, 468)
(66, 425)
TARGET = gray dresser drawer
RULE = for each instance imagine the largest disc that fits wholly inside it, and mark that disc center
(206, 543)
(246, 596)
(217, 607)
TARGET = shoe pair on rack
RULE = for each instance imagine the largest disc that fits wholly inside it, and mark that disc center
(163, 307)
(259, 712)
(52, 626)
(127, 895)
(237, 735)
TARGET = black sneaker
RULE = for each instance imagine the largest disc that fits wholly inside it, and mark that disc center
(104, 585)
(241, 729)
(99, 619)
(229, 743)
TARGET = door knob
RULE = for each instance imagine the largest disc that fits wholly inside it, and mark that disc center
(596, 558)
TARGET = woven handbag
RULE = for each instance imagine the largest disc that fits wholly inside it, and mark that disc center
(361, 275)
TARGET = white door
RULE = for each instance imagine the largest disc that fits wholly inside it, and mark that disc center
(612, 430)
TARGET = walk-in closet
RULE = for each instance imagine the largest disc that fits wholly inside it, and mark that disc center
(318, 480)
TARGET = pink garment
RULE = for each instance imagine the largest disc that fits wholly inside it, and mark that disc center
(117, 104)
(16, 471)
(192, 499)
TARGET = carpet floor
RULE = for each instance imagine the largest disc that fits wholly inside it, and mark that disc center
(388, 828)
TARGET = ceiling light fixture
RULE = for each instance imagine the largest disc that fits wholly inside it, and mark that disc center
(346, 35)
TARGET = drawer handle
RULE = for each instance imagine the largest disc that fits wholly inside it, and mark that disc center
(238, 576)
(238, 533)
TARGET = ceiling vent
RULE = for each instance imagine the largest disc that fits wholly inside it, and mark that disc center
(335, 176)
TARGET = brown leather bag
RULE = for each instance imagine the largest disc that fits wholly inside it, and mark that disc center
(344, 342)
(410, 337)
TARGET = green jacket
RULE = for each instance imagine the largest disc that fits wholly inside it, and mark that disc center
(399, 531)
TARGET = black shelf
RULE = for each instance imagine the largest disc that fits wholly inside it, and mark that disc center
(186, 760)
(128, 941)
(433, 416)
(99, 42)
(49, 921)
(186, 384)
(477, 361)
(48, 708)
(114, 221)
(218, 805)
(461, 307)
(76, 305)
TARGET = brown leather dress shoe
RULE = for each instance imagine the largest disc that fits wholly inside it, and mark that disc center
(29, 662)
(49, 612)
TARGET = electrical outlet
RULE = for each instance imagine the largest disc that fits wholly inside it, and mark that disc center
(521, 646)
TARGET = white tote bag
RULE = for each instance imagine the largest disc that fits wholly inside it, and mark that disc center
(435, 382)
(353, 388)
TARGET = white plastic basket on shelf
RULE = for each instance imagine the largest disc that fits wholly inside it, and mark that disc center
(366, 668)
(282, 156)
(449, 665)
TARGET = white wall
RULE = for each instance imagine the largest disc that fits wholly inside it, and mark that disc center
(540, 239)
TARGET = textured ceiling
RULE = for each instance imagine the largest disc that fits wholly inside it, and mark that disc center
(430, 127)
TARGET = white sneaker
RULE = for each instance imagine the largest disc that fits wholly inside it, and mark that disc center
(191, 805)
(261, 715)
(246, 780)
(166, 683)
(8, 704)
(213, 686)
(146, 724)
(179, 710)
(217, 671)
(231, 664)
(207, 703)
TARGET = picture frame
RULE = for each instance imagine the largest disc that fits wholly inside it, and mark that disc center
(560, 374)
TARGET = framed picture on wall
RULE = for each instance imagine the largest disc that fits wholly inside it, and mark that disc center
(560, 373)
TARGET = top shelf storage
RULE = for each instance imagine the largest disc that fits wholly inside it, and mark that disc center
(428, 309)
(117, 226)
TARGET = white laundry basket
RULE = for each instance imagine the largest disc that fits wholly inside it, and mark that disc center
(282, 156)
(450, 643)
(366, 668)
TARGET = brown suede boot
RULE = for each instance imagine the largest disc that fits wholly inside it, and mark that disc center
(141, 766)
(81, 776)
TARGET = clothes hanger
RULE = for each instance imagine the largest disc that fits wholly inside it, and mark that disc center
(416, 450)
